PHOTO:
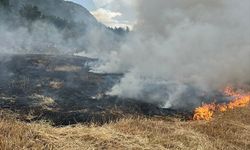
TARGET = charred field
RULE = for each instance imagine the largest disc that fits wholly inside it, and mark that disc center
(55, 102)
(157, 75)
(62, 90)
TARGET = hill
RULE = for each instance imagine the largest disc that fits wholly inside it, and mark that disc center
(66, 10)
(53, 26)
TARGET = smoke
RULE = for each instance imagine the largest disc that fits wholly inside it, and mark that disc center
(182, 49)
(61, 28)
(19, 35)
(178, 50)
(21, 40)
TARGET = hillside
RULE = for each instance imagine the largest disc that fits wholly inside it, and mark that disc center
(63, 9)
(53, 26)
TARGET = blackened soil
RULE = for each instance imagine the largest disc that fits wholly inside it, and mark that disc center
(62, 90)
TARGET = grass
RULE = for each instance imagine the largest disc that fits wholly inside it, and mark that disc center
(229, 130)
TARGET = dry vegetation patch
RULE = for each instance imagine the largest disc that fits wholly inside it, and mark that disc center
(67, 68)
(16, 135)
(229, 130)
(56, 84)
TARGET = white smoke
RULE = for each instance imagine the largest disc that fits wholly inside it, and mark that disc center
(21, 40)
(181, 49)
(59, 28)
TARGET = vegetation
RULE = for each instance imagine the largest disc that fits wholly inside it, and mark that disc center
(30, 12)
(4, 3)
(229, 130)
(120, 30)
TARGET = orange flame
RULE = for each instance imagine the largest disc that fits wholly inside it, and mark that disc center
(206, 111)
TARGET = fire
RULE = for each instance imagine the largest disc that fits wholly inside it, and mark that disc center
(206, 111)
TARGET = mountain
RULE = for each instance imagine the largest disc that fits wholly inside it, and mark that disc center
(53, 26)
(59, 8)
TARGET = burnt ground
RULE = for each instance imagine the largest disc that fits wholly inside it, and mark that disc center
(62, 90)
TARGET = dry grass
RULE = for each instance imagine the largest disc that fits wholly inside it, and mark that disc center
(229, 130)
(67, 68)
(56, 85)
(18, 136)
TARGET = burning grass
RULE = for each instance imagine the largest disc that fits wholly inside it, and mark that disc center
(228, 130)
(239, 99)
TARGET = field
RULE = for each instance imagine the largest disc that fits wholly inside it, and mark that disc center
(64, 91)
(229, 130)
(49, 102)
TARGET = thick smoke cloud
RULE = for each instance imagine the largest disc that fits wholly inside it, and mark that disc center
(178, 52)
(182, 49)
(40, 40)
(61, 28)
(19, 35)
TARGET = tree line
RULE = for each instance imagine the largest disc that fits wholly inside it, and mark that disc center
(32, 13)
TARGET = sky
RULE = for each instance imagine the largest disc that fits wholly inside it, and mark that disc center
(112, 13)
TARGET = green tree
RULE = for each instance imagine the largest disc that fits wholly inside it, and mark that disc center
(30, 12)
(4, 3)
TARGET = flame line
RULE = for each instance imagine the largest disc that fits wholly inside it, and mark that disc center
(206, 111)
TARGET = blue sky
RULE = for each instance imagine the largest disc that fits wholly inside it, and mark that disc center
(113, 13)
(89, 4)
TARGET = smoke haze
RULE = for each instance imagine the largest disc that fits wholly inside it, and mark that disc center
(178, 50)
(54, 26)
(181, 49)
